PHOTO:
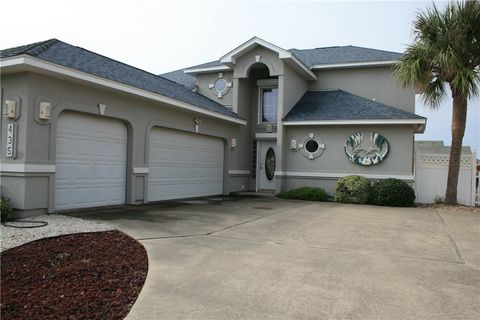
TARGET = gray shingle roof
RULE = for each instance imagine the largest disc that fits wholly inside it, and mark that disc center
(181, 77)
(77, 58)
(341, 105)
(342, 54)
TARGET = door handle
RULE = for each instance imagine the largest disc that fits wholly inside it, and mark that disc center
(261, 166)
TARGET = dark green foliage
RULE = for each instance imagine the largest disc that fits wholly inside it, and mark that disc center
(352, 189)
(392, 192)
(6, 209)
(305, 193)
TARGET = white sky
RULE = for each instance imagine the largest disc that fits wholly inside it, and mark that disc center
(160, 36)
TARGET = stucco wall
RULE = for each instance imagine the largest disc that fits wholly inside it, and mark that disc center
(36, 141)
(295, 87)
(372, 83)
(334, 163)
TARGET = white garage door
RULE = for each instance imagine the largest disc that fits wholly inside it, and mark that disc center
(184, 165)
(91, 159)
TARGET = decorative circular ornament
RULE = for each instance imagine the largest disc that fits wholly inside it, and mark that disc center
(366, 149)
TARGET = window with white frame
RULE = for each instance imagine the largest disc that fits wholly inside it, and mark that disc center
(268, 105)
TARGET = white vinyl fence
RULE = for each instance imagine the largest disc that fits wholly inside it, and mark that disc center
(431, 178)
(477, 193)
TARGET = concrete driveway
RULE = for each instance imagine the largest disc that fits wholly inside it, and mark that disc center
(265, 258)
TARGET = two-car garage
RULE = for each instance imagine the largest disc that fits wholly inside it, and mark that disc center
(91, 163)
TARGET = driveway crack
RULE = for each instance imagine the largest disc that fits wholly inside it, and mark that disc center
(452, 241)
(255, 219)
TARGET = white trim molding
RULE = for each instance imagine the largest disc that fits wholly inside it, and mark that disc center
(239, 172)
(265, 136)
(354, 65)
(37, 65)
(140, 170)
(350, 122)
(206, 69)
(27, 168)
(311, 174)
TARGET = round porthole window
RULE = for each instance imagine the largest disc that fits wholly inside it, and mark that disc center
(270, 164)
(220, 85)
(312, 145)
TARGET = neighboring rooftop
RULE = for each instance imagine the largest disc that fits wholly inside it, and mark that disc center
(341, 105)
(80, 59)
(437, 147)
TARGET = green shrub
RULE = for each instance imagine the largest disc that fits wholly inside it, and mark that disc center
(392, 192)
(6, 209)
(305, 193)
(352, 189)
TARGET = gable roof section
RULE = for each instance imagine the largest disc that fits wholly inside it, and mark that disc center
(341, 107)
(229, 59)
(317, 58)
(86, 61)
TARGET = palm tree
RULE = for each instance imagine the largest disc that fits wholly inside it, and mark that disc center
(446, 51)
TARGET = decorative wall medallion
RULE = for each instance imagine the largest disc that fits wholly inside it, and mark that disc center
(221, 85)
(311, 146)
(366, 149)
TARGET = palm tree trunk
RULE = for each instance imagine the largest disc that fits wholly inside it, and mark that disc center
(459, 118)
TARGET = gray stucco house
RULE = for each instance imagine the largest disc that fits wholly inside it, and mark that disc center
(82, 130)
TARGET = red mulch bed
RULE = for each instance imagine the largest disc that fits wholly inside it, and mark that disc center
(78, 276)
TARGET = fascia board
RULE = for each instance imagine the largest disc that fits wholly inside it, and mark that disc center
(353, 65)
(355, 122)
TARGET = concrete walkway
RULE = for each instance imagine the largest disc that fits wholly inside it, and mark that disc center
(265, 258)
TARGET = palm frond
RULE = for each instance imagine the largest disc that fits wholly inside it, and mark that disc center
(446, 50)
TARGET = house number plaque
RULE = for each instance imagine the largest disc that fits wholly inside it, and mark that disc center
(11, 128)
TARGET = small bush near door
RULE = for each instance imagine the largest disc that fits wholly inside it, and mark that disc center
(352, 189)
(305, 193)
(5, 209)
(392, 192)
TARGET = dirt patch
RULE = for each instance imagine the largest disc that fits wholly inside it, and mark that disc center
(78, 276)
(443, 206)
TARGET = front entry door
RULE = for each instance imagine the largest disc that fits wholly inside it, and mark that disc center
(266, 164)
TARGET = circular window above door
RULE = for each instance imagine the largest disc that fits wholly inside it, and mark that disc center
(270, 164)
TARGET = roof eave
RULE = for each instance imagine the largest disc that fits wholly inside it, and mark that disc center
(348, 65)
(28, 63)
(419, 124)
(206, 70)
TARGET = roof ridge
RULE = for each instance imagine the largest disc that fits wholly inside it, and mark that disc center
(123, 63)
(115, 60)
(35, 47)
(344, 46)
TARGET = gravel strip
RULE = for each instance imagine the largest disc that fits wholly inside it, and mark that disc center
(57, 225)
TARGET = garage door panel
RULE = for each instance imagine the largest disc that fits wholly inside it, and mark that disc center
(183, 165)
(91, 155)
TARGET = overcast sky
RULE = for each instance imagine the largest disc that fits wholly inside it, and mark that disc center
(160, 36)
